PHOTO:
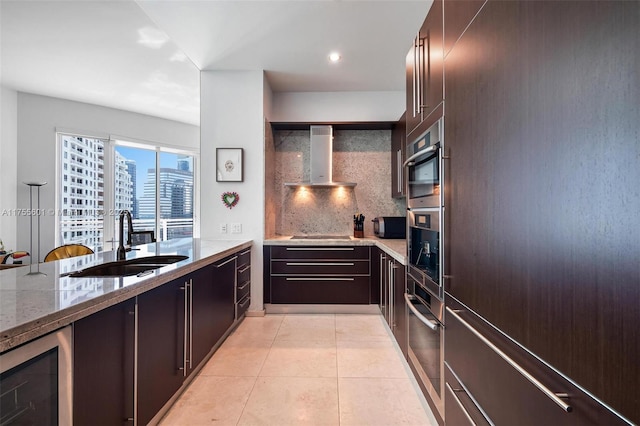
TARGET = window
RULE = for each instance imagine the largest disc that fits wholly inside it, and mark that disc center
(161, 187)
(87, 224)
(155, 184)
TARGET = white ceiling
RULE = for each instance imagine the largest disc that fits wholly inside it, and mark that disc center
(139, 55)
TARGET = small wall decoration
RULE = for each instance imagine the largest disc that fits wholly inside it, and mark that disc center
(229, 165)
(230, 199)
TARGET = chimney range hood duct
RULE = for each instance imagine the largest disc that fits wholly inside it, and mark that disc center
(321, 159)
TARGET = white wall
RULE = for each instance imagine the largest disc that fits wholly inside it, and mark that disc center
(336, 107)
(39, 116)
(8, 166)
(232, 116)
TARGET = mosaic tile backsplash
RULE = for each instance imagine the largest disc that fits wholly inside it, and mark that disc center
(360, 156)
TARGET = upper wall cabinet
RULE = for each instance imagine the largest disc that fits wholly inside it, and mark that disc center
(458, 14)
(425, 73)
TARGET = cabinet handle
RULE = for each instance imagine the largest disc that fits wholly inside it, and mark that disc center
(431, 324)
(416, 74)
(460, 405)
(425, 63)
(242, 287)
(555, 397)
(186, 332)
(430, 148)
(241, 271)
(135, 361)
(390, 289)
(320, 279)
(382, 258)
(245, 252)
(399, 169)
(191, 323)
(320, 249)
(320, 264)
(225, 262)
(246, 300)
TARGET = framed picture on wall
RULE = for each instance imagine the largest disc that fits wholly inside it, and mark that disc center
(229, 165)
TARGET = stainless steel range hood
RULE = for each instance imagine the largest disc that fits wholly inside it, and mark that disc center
(321, 159)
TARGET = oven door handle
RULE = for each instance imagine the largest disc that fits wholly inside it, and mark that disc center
(409, 162)
(431, 324)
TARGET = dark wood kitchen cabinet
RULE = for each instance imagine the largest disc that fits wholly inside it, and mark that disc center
(243, 283)
(541, 228)
(425, 74)
(458, 14)
(544, 397)
(318, 275)
(400, 328)
(391, 285)
(162, 346)
(103, 366)
(398, 150)
(211, 297)
(178, 325)
(174, 327)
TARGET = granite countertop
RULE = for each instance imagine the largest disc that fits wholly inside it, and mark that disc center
(40, 298)
(397, 248)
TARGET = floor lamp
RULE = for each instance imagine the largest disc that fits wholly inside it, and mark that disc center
(31, 186)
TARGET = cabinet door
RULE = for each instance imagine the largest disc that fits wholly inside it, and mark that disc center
(425, 72)
(432, 60)
(537, 246)
(376, 276)
(162, 350)
(384, 285)
(457, 17)
(400, 330)
(212, 308)
(320, 290)
(398, 147)
(103, 366)
(510, 385)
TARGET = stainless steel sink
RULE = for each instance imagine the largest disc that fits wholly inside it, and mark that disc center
(124, 268)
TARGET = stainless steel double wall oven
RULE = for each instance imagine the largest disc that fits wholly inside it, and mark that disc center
(425, 294)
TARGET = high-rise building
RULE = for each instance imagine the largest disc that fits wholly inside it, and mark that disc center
(81, 195)
(176, 194)
(132, 170)
(185, 162)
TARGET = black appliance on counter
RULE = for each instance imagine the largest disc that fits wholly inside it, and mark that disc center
(390, 226)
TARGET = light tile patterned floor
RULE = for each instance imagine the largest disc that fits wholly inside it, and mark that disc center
(304, 370)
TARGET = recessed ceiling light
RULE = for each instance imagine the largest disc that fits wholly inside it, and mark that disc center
(334, 56)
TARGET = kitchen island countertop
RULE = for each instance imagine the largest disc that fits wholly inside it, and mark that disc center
(40, 298)
(397, 248)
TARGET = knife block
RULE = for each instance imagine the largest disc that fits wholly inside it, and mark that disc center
(358, 233)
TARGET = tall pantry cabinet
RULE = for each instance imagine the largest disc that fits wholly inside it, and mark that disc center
(542, 276)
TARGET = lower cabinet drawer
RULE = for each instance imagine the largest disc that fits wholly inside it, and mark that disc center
(243, 290)
(244, 258)
(244, 273)
(460, 410)
(242, 306)
(509, 384)
(324, 267)
(319, 252)
(320, 290)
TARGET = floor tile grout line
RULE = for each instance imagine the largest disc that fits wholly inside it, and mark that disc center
(255, 382)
